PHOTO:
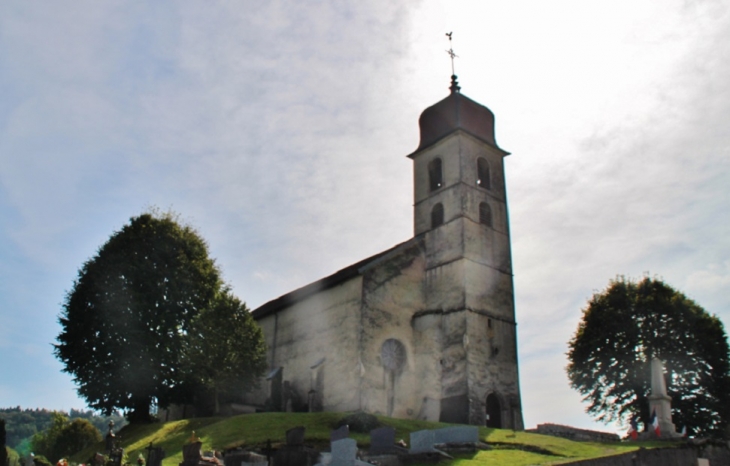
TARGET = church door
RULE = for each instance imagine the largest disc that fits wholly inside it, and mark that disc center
(494, 411)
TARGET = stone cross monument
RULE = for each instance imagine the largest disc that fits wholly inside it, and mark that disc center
(660, 402)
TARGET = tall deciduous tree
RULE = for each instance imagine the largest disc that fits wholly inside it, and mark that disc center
(127, 314)
(623, 328)
(225, 350)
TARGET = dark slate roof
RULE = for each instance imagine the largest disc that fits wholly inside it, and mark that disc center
(455, 112)
(330, 281)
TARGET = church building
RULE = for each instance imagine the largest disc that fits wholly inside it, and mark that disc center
(423, 330)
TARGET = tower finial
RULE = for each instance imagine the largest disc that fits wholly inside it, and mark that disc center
(454, 85)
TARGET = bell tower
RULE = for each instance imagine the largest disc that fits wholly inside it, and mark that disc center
(460, 209)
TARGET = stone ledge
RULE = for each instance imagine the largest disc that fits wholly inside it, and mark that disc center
(573, 433)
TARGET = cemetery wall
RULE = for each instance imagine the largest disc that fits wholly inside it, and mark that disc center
(575, 434)
(682, 456)
(643, 457)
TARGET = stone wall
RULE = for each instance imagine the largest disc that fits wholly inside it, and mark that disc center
(575, 434)
(643, 457)
(320, 330)
(395, 384)
(683, 456)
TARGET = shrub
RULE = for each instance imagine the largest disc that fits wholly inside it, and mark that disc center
(359, 422)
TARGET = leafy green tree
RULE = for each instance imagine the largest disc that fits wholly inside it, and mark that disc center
(100, 422)
(125, 319)
(64, 437)
(74, 437)
(623, 328)
(22, 424)
(225, 350)
(44, 442)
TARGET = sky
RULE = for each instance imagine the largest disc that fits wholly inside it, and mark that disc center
(280, 130)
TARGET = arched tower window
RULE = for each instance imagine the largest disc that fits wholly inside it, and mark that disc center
(435, 176)
(483, 179)
(485, 214)
(437, 215)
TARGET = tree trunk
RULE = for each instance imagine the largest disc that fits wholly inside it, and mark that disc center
(140, 413)
(217, 403)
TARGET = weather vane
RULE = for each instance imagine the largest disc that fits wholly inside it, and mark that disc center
(454, 85)
(451, 52)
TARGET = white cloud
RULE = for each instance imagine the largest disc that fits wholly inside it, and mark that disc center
(714, 278)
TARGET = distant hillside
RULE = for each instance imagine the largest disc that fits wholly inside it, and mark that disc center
(21, 424)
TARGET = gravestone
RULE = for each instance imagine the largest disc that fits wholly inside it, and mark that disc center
(289, 457)
(344, 453)
(422, 442)
(295, 436)
(109, 442)
(457, 434)
(294, 453)
(155, 455)
(382, 442)
(191, 454)
(340, 433)
(116, 455)
(109, 439)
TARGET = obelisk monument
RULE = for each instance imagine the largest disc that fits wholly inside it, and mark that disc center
(659, 402)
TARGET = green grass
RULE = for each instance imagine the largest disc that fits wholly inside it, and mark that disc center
(253, 430)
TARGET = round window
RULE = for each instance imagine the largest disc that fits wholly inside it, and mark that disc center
(393, 355)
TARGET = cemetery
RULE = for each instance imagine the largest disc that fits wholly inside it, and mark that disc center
(310, 439)
(285, 438)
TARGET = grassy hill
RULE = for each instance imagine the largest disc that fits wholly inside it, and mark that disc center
(253, 430)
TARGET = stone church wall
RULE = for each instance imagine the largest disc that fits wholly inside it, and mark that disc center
(454, 388)
(487, 246)
(492, 368)
(392, 288)
(320, 330)
(488, 290)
